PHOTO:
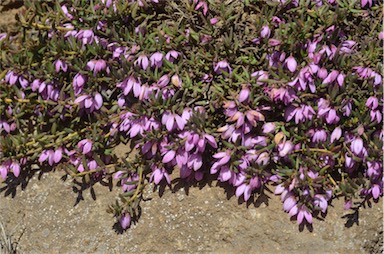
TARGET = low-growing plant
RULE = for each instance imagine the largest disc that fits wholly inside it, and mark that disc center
(255, 93)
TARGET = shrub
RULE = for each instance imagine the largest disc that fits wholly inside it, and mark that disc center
(255, 93)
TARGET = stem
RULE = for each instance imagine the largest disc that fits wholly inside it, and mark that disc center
(313, 150)
(332, 180)
(138, 189)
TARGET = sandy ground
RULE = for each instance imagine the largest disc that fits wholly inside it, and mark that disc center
(44, 218)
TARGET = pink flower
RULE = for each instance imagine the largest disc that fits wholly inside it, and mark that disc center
(357, 146)
(87, 102)
(321, 202)
(274, 42)
(365, 2)
(86, 36)
(61, 65)
(78, 83)
(85, 146)
(158, 173)
(125, 220)
(172, 120)
(260, 76)
(269, 127)
(172, 56)
(336, 134)
(222, 66)
(291, 64)
(372, 102)
(204, 5)
(304, 213)
(265, 32)
(244, 94)
(142, 61)
(156, 60)
(97, 65)
(53, 156)
(213, 21)
(285, 148)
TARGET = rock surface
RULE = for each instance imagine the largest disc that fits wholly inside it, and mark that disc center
(45, 219)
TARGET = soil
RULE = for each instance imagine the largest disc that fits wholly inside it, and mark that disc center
(46, 215)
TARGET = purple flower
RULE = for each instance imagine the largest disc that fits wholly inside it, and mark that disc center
(213, 21)
(301, 113)
(303, 212)
(365, 2)
(97, 65)
(265, 32)
(285, 148)
(53, 156)
(172, 120)
(87, 102)
(291, 64)
(347, 109)
(3, 36)
(376, 115)
(357, 146)
(204, 5)
(322, 73)
(172, 56)
(274, 42)
(86, 36)
(61, 65)
(163, 81)
(376, 190)
(321, 202)
(78, 83)
(260, 76)
(85, 146)
(142, 61)
(11, 77)
(269, 127)
(372, 102)
(244, 94)
(318, 135)
(324, 110)
(125, 220)
(336, 134)
(158, 173)
(156, 60)
(381, 36)
(222, 66)
(331, 77)
(245, 189)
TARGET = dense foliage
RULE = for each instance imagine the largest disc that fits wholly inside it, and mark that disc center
(255, 93)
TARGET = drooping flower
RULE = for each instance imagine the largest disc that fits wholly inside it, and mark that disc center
(86, 36)
(142, 61)
(78, 83)
(265, 32)
(159, 173)
(125, 220)
(222, 66)
(53, 156)
(97, 65)
(336, 134)
(291, 64)
(156, 60)
(85, 146)
(172, 55)
(61, 65)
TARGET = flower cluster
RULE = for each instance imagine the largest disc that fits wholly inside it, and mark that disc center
(198, 90)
